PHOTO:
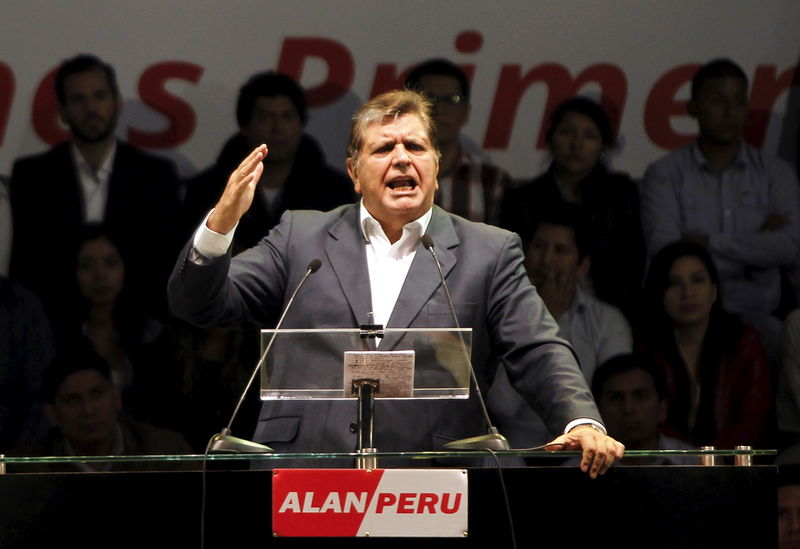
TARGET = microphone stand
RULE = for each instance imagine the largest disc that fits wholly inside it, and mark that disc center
(493, 440)
(224, 442)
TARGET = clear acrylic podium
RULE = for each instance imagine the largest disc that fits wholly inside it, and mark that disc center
(364, 365)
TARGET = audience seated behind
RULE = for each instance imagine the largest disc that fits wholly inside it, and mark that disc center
(85, 410)
(5, 227)
(631, 393)
(271, 109)
(789, 506)
(469, 186)
(579, 136)
(557, 260)
(105, 312)
(92, 178)
(719, 383)
(26, 348)
(202, 372)
(787, 400)
(741, 203)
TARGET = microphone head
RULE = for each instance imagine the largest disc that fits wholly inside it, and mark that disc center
(314, 266)
(427, 241)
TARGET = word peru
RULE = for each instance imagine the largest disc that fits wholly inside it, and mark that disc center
(380, 502)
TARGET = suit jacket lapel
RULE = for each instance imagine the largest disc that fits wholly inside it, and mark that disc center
(117, 184)
(347, 254)
(423, 276)
(68, 192)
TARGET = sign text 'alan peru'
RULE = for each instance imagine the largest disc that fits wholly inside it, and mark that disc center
(378, 503)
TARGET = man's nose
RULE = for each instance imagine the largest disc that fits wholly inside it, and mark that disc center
(400, 157)
(87, 407)
(628, 405)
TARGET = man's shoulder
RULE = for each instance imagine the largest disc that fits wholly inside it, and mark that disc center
(475, 232)
(134, 156)
(483, 167)
(604, 314)
(768, 163)
(311, 221)
(52, 158)
(674, 160)
(144, 438)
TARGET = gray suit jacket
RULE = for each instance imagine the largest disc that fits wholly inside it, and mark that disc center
(487, 281)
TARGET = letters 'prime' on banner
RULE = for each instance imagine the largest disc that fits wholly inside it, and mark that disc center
(371, 502)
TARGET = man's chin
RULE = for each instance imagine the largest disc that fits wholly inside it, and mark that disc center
(92, 138)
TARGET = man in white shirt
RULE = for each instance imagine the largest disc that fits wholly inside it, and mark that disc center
(372, 261)
(92, 178)
(557, 260)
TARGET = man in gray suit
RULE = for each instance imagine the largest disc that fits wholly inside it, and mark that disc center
(373, 261)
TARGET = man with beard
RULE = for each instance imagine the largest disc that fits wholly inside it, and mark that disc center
(91, 178)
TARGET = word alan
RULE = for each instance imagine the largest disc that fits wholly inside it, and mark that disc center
(352, 502)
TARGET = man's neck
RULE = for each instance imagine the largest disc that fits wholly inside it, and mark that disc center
(719, 156)
(451, 152)
(103, 448)
(275, 174)
(95, 153)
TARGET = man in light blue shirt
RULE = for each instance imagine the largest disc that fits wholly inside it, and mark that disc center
(739, 202)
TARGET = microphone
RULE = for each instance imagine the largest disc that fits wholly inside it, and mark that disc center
(493, 440)
(223, 442)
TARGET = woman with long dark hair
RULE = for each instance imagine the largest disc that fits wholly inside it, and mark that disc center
(107, 314)
(719, 382)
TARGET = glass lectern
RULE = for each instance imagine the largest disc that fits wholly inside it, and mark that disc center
(363, 365)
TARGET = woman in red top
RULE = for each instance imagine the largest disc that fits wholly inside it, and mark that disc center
(720, 389)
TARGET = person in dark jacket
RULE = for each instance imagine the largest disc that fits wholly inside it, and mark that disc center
(579, 135)
(271, 109)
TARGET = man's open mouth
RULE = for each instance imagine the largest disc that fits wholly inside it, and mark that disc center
(402, 184)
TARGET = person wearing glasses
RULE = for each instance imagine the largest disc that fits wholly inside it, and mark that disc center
(468, 185)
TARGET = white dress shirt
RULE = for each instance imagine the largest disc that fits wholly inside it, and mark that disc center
(94, 184)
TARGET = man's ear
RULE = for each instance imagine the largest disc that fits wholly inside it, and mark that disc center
(691, 108)
(663, 407)
(584, 266)
(62, 114)
(51, 413)
(352, 171)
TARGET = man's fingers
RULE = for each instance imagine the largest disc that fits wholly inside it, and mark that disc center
(252, 161)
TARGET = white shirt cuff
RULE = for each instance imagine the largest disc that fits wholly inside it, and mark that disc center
(584, 421)
(210, 244)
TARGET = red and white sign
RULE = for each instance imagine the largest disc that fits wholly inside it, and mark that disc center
(369, 502)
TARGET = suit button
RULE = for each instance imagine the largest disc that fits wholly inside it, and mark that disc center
(353, 427)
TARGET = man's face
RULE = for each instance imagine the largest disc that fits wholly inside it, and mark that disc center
(631, 408)
(450, 110)
(789, 517)
(553, 255)
(276, 122)
(86, 408)
(90, 108)
(395, 170)
(720, 108)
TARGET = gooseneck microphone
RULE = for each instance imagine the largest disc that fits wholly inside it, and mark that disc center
(223, 442)
(493, 440)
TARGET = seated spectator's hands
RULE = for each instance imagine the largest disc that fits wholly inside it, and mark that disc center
(558, 289)
(774, 222)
